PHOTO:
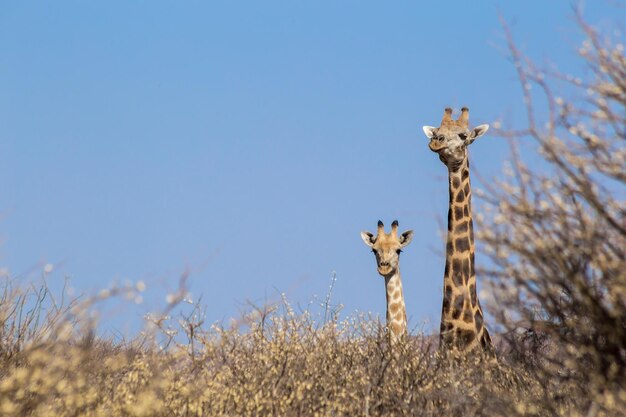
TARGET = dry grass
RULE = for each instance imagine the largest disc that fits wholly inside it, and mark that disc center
(281, 364)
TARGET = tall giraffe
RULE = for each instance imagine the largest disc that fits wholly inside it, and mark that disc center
(387, 248)
(462, 326)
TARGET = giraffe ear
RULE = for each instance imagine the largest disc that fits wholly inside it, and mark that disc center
(478, 131)
(405, 238)
(368, 238)
(430, 131)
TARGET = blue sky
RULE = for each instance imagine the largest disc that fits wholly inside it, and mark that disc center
(250, 142)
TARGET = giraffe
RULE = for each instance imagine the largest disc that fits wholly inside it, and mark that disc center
(387, 248)
(462, 326)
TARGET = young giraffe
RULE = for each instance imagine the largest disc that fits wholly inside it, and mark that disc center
(387, 248)
(462, 327)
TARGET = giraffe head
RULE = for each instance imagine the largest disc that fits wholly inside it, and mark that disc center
(451, 139)
(387, 247)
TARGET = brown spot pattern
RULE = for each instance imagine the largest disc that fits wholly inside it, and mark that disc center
(462, 227)
(456, 272)
(464, 337)
(393, 307)
(465, 269)
(458, 213)
(457, 309)
(472, 291)
(468, 317)
(478, 320)
(462, 244)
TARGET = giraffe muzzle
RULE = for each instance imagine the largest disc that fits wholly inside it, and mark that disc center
(384, 268)
(436, 145)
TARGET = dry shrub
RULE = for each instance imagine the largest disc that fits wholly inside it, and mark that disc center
(555, 232)
(28, 315)
(275, 362)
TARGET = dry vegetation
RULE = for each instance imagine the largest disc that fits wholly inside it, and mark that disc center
(556, 242)
(281, 364)
(555, 234)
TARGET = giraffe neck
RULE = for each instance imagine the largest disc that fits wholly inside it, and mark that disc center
(396, 310)
(462, 325)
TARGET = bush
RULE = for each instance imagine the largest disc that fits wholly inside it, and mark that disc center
(555, 233)
(279, 363)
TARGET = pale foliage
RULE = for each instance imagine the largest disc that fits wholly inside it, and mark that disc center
(556, 230)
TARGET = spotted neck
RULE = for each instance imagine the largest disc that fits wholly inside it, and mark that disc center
(462, 326)
(396, 310)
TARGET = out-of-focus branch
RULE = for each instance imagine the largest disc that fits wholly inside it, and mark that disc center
(555, 232)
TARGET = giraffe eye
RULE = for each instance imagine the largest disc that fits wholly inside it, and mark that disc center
(374, 251)
(399, 251)
(463, 136)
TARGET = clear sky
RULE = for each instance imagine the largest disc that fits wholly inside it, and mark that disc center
(250, 142)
